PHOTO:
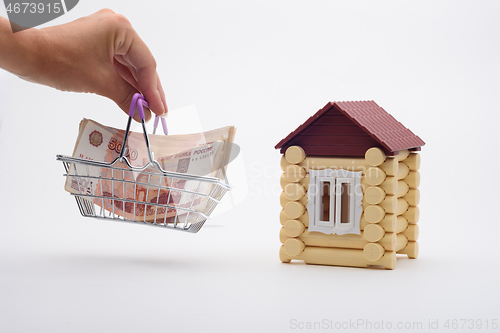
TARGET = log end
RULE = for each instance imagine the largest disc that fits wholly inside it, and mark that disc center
(283, 163)
(284, 257)
(295, 173)
(294, 228)
(413, 197)
(413, 161)
(374, 195)
(412, 215)
(413, 179)
(283, 217)
(375, 156)
(374, 176)
(294, 246)
(374, 213)
(412, 232)
(411, 250)
(294, 209)
(373, 232)
(373, 251)
(283, 199)
(295, 154)
(294, 191)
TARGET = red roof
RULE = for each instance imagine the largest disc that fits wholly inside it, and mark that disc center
(349, 129)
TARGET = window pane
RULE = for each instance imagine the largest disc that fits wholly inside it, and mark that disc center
(345, 203)
(325, 202)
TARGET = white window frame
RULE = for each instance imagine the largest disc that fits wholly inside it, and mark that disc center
(319, 206)
(315, 201)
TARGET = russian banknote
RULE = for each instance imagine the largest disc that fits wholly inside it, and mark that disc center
(200, 154)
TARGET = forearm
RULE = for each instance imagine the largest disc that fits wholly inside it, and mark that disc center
(18, 51)
(100, 54)
(56, 57)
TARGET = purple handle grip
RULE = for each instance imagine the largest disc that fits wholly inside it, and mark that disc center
(138, 102)
(163, 124)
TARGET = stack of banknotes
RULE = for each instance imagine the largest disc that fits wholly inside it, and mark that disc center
(200, 154)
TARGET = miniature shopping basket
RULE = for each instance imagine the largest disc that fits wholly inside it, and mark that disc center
(174, 200)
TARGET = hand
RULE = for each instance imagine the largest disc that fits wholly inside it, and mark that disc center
(100, 54)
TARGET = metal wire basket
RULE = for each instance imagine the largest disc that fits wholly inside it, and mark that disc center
(159, 198)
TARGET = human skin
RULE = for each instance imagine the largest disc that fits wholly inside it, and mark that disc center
(100, 54)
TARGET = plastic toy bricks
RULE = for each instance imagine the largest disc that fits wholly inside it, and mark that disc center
(350, 188)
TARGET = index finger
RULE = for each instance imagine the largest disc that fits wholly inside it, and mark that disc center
(138, 55)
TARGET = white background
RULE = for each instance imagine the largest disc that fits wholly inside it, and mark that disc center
(265, 67)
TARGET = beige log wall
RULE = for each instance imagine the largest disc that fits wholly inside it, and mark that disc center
(390, 210)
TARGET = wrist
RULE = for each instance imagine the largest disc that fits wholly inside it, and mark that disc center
(19, 51)
(30, 63)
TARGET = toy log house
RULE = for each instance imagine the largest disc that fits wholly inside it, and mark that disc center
(350, 188)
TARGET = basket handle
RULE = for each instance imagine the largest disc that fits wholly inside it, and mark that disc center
(135, 103)
(138, 103)
(163, 124)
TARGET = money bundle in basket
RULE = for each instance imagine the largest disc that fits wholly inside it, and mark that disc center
(199, 154)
